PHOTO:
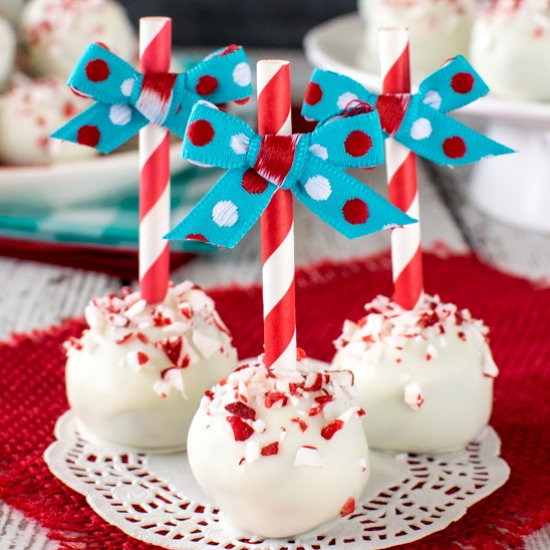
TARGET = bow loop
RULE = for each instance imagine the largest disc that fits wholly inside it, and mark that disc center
(127, 100)
(418, 121)
(261, 166)
(353, 141)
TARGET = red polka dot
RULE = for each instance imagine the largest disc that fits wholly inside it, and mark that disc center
(314, 93)
(230, 49)
(103, 45)
(454, 147)
(356, 211)
(206, 85)
(254, 183)
(200, 133)
(97, 70)
(242, 101)
(197, 237)
(358, 143)
(462, 83)
(88, 135)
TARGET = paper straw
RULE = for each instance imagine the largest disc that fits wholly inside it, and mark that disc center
(274, 117)
(401, 173)
(155, 38)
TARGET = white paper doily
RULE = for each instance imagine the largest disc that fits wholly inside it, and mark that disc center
(154, 498)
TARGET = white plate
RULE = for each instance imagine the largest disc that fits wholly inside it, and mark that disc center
(68, 183)
(338, 45)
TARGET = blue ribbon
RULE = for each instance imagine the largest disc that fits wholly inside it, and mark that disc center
(310, 165)
(418, 121)
(127, 100)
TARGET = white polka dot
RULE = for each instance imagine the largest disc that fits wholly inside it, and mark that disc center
(242, 75)
(127, 86)
(318, 188)
(433, 99)
(421, 129)
(120, 115)
(319, 150)
(240, 144)
(225, 214)
(345, 99)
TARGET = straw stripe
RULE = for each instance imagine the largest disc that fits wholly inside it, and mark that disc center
(274, 117)
(154, 147)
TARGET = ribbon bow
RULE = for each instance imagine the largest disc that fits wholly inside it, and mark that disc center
(418, 121)
(127, 100)
(310, 165)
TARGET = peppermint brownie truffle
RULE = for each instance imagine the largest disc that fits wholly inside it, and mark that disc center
(137, 374)
(425, 376)
(439, 29)
(56, 32)
(280, 453)
(35, 108)
(510, 48)
(7, 51)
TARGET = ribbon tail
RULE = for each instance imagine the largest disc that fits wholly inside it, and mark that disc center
(228, 211)
(443, 140)
(104, 127)
(348, 205)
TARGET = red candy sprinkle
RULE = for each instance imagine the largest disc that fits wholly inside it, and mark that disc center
(142, 358)
(301, 423)
(97, 70)
(454, 147)
(330, 429)
(88, 135)
(271, 449)
(274, 397)
(241, 410)
(314, 94)
(253, 183)
(356, 211)
(200, 133)
(348, 508)
(317, 385)
(358, 143)
(241, 430)
(300, 354)
(209, 394)
(172, 348)
(462, 83)
(206, 85)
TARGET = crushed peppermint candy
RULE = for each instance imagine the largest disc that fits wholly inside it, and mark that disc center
(185, 328)
(321, 403)
(386, 324)
(413, 396)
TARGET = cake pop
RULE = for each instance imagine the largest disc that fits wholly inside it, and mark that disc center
(424, 375)
(137, 374)
(281, 453)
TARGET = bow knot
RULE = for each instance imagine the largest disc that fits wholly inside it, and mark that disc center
(418, 121)
(310, 165)
(127, 100)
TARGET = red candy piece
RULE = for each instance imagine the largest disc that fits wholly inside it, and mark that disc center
(348, 508)
(330, 429)
(241, 410)
(271, 449)
(274, 397)
(241, 430)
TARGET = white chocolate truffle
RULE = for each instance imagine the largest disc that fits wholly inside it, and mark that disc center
(7, 51)
(425, 377)
(280, 455)
(56, 32)
(510, 49)
(137, 375)
(439, 29)
(29, 112)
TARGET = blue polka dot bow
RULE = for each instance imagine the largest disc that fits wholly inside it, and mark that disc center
(418, 121)
(127, 100)
(310, 165)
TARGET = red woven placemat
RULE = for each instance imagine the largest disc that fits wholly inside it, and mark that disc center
(32, 395)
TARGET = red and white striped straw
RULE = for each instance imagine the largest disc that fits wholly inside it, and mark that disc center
(155, 39)
(274, 117)
(401, 173)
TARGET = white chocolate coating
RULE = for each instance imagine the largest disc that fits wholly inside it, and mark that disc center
(425, 377)
(29, 112)
(510, 49)
(56, 32)
(439, 29)
(137, 375)
(279, 459)
(7, 51)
